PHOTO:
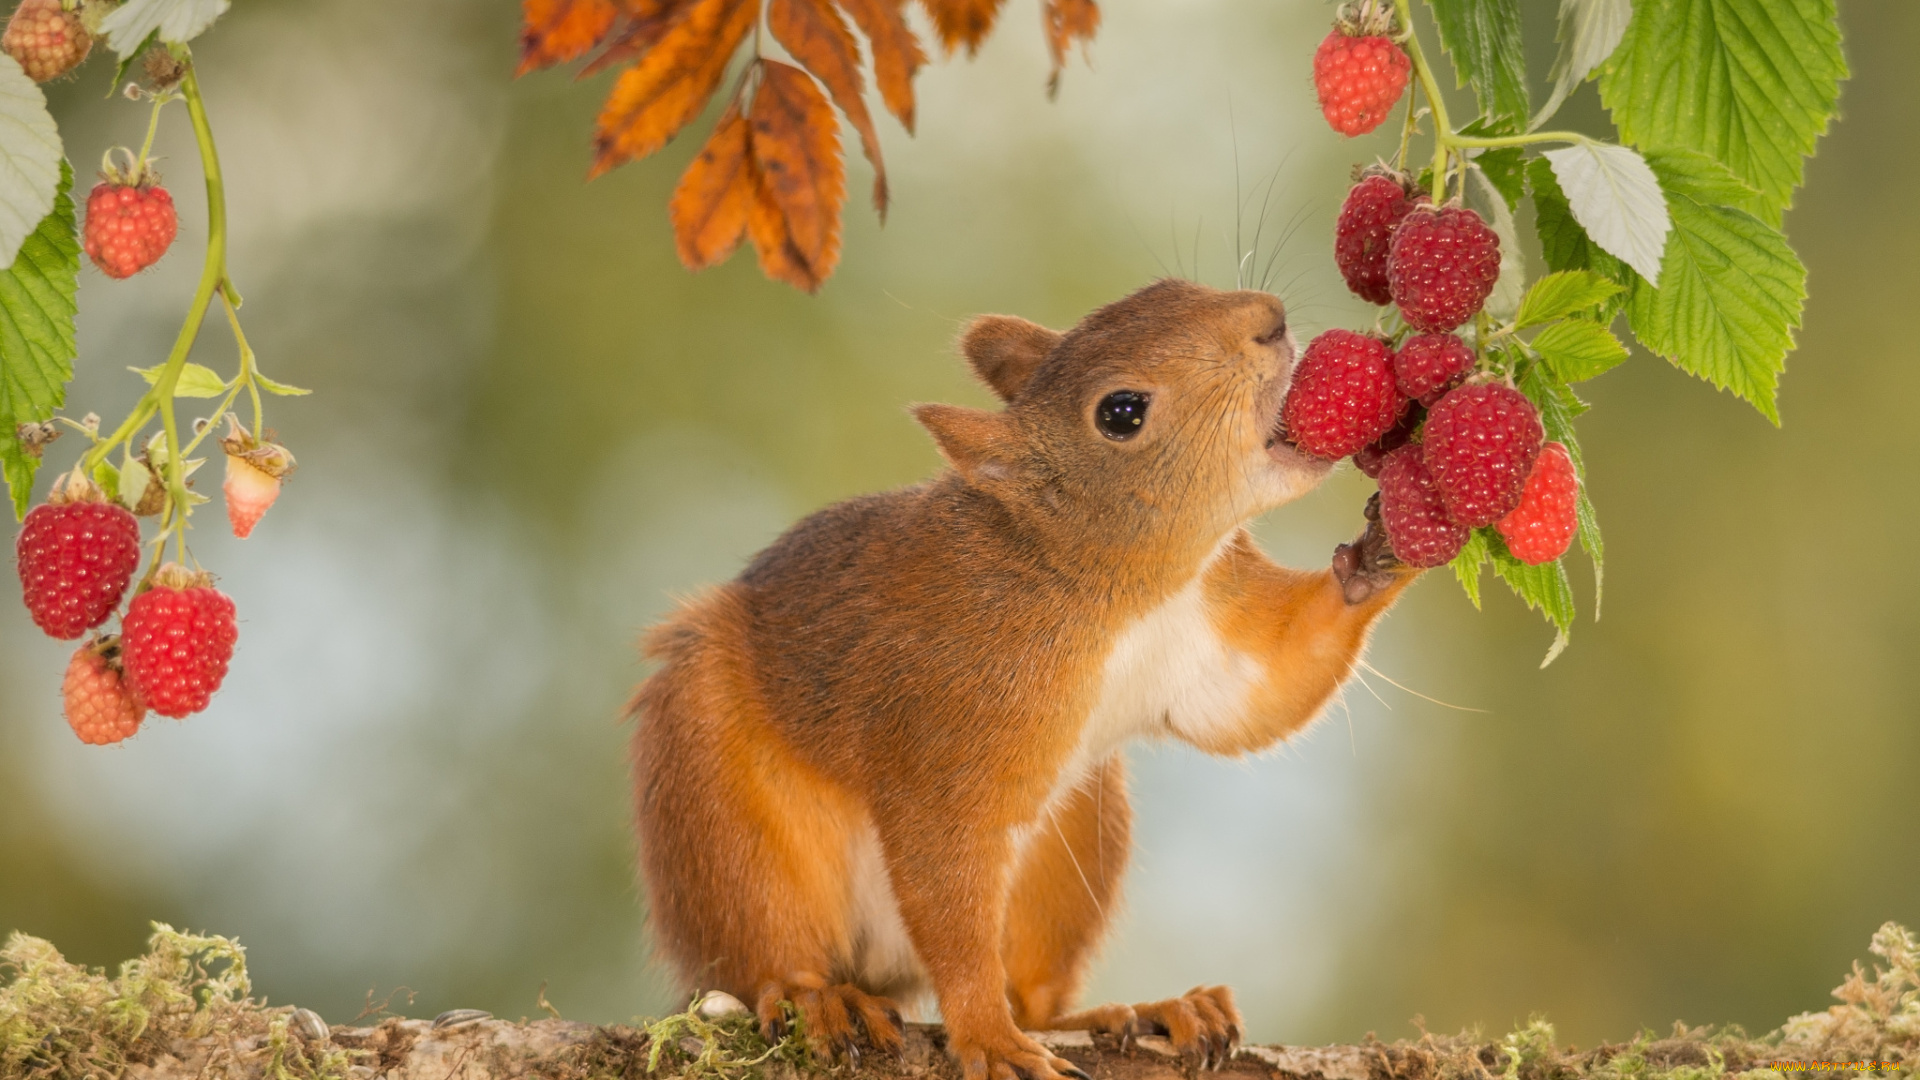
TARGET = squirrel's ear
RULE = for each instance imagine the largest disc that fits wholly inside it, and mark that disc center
(1005, 350)
(980, 445)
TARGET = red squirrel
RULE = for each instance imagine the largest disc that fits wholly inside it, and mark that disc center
(887, 758)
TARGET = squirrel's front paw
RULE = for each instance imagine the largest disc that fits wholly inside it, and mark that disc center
(1368, 565)
(1203, 1025)
(1012, 1056)
(834, 1018)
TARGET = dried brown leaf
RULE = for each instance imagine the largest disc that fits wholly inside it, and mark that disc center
(896, 52)
(1067, 21)
(963, 22)
(671, 82)
(817, 36)
(795, 217)
(710, 206)
(556, 31)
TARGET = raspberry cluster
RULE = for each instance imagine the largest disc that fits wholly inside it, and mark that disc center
(1453, 448)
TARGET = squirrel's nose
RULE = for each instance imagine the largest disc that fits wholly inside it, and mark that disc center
(1266, 317)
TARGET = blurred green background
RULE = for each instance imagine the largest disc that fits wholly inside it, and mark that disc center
(533, 428)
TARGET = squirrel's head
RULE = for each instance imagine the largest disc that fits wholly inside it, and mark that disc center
(1156, 421)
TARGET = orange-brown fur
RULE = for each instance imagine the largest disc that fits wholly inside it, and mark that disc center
(896, 703)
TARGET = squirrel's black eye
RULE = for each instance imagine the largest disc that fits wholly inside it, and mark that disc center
(1121, 413)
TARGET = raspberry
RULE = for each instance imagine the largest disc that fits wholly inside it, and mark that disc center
(1365, 231)
(1429, 365)
(1343, 394)
(177, 638)
(1481, 442)
(1541, 527)
(254, 472)
(129, 225)
(48, 40)
(1441, 267)
(1418, 527)
(100, 707)
(1358, 71)
(76, 554)
(1370, 457)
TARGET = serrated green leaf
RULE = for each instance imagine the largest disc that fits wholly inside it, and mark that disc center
(1507, 287)
(36, 335)
(1751, 83)
(31, 166)
(1566, 246)
(1505, 170)
(1563, 293)
(1588, 533)
(1466, 565)
(1483, 37)
(1731, 290)
(282, 389)
(196, 381)
(1589, 32)
(1616, 198)
(1577, 349)
(1544, 588)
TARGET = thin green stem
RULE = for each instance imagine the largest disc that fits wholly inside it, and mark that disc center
(1406, 131)
(1442, 128)
(1494, 142)
(153, 127)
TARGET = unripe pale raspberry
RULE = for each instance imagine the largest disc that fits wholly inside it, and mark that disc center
(176, 641)
(1541, 528)
(1364, 233)
(1343, 395)
(129, 226)
(1419, 529)
(99, 705)
(76, 554)
(1359, 77)
(1481, 441)
(47, 39)
(1429, 365)
(1442, 267)
(254, 471)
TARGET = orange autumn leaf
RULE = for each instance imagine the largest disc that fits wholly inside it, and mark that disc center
(795, 217)
(814, 32)
(647, 21)
(963, 22)
(896, 52)
(710, 205)
(555, 31)
(1067, 21)
(671, 82)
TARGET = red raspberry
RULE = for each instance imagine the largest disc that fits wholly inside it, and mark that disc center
(1442, 265)
(1343, 394)
(1365, 231)
(1358, 71)
(1481, 442)
(1418, 527)
(129, 225)
(177, 638)
(1429, 365)
(100, 707)
(76, 554)
(47, 39)
(1370, 457)
(1541, 527)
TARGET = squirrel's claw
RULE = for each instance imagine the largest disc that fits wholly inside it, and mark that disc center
(1368, 564)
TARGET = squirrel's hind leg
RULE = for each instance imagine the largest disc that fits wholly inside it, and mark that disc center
(744, 848)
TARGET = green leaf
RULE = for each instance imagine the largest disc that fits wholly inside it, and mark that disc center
(1466, 565)
(108, 477)
(1545, 589)
(30, 158)
(195, 380)
(175, 21)
(1564, 293)
(1589, 32)
(1577, 349)
(1483, 37)
(1731, 290)
(1505, 297)
(1589, 536)
(1616, 198)
(36, 335)
(282, 389)
(1566, 246)
(1751, 83)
